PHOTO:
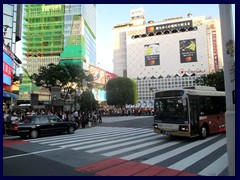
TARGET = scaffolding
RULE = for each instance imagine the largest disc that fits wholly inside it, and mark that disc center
(43, 32)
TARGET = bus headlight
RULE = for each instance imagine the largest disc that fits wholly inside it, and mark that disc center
(183, 128)
(155, 126)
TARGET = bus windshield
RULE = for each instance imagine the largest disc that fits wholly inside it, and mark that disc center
(171, 110)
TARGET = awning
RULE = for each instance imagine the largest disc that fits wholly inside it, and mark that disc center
(9, 95)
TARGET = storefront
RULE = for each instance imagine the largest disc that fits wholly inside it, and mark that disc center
(10, 62)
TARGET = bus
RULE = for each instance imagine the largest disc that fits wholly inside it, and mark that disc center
(189, 111)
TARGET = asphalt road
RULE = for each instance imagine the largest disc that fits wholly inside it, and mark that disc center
(121, 146)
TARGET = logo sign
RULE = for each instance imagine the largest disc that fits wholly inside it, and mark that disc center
(168, 26)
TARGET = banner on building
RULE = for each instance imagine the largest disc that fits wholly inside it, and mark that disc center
(152, 54)
(188, 50)
(215, 52)
(168, 26)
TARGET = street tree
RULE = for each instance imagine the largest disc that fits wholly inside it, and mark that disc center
(121, 91)
(68, 77)
(88, 101)
(213, 79)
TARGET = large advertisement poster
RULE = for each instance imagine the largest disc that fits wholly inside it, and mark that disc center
(188, 50)
(152, 54)
(110, 76)
(98, 74)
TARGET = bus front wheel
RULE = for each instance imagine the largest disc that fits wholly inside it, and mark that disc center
(203, 132)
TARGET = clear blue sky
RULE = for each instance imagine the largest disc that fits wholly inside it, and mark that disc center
(109, 15)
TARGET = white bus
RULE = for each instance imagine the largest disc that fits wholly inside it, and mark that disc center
(189, 111)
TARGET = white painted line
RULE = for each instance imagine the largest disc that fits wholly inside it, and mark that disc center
(190, 160)
(131, 148)
(110, 142)
(149, 151)
(27, 154)
(216, 167)
(162, 157)
(95, 137)
(123, 144)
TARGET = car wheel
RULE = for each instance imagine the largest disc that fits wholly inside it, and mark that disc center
(70, 130)
(34, 134)
(203, 132)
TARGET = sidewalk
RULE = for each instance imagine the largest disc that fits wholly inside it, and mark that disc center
(111, 119)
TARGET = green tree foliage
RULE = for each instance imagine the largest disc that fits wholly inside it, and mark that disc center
(121, 91)
(67, 77)
(213, 79)
(88, 100)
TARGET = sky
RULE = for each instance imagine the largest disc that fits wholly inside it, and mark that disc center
(109, 15)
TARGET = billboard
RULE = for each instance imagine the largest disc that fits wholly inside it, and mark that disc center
(152, 54)
(7, 69)
(168, 26)
(99, 75)
(110, 76)
(188, 50)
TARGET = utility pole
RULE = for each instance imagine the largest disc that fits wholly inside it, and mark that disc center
(229, 79)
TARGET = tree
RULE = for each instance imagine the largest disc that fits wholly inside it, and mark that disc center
(67, 77)
(121, 91)
(88, 101)
(213, 79)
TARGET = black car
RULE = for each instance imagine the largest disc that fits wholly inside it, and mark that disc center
(36, 125)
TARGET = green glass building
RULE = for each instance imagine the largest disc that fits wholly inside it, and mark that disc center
(58, 33)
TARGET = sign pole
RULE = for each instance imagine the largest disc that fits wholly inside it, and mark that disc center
(229, 79)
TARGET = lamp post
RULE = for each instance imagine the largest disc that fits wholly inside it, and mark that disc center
(229, 79)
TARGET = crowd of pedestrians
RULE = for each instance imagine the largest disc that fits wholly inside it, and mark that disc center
(82, 118)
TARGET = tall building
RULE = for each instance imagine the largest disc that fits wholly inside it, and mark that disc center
(166, 54)
(58, 33)
(12, 25)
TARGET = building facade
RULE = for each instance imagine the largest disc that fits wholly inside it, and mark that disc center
(58, 33)
(166, 54)
(12, 15)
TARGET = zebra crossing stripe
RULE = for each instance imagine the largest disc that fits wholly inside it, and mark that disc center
(98, 137)
(112, 153)
(183, 164)
(148, 151)
(216, 167)
(123, 144)
(112, 141)
(162, 157)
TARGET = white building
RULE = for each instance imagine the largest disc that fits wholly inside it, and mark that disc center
(166, 54)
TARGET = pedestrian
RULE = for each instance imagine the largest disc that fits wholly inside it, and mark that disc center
(99, 116)
(83, 119)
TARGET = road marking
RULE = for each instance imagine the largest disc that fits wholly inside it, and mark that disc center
(149, 151)
(124, 144)
(184, 163)
(216, 167)
(162, 157)
(32, 153)
(113, 153)
(110, 142)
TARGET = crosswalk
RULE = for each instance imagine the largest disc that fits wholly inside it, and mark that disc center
(204, 157)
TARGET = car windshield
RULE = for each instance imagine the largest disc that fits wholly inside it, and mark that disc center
(171, 110)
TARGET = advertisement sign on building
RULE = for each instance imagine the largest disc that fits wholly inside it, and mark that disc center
(188, 50)
(152, 54)
(7, 69)
(168, 26)
(215, 52)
